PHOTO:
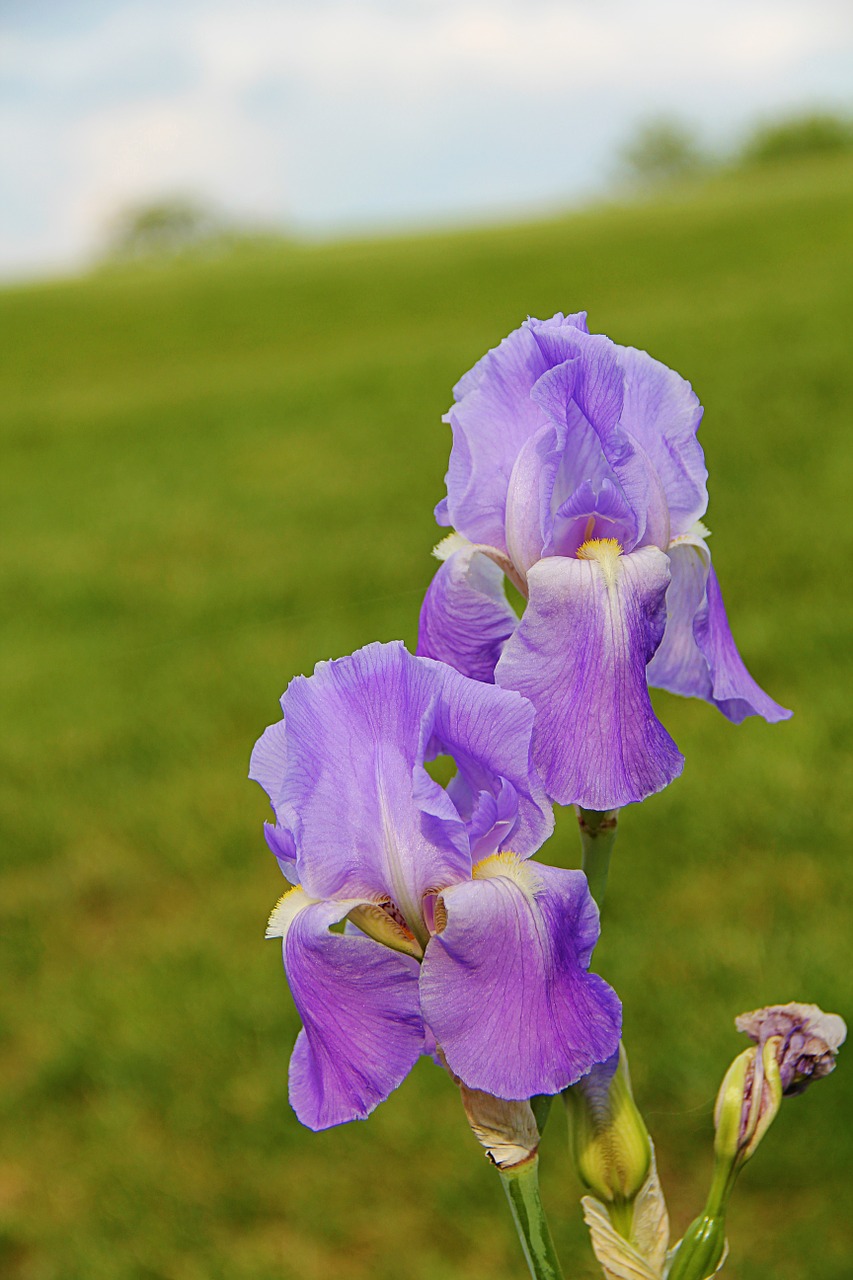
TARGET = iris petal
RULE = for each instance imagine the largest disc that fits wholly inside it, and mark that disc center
(492, 420)
(734, 690)
(355, 736)
(505, 986)
(579, 654)
(698, 657)
(465, 617)
(662, 412)
(362, 1031)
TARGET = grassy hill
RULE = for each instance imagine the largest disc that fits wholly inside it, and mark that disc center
(216, 473)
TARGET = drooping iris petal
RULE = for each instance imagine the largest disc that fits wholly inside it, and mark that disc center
(662, 412)
(362, 1030)
(465, 617)
(698, 657)
(579, 654)
(354, 731)
(678, 665)
(505, 988)
(734, 690)
(492, 420)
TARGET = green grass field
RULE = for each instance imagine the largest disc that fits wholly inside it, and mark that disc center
(215, 474)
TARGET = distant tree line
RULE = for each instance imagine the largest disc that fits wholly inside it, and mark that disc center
(178, 226)
(666, 149)
(662, 150)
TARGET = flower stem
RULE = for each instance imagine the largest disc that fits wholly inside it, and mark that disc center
(598, 835)
(521, 1184)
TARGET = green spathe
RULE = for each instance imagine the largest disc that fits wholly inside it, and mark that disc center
(608, 1138)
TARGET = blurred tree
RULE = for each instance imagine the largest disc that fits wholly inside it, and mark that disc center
(662, 150)
(164, 228)
(816, 133)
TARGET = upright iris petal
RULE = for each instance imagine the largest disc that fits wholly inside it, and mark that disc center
(369, 837)
(564, 441)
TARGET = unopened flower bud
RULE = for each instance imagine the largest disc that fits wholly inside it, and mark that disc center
(608, 1138)
(747, 1103)
(702, 1250)
(808, 1040)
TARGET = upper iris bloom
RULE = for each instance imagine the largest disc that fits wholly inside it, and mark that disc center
(458, 940)
(576, 471)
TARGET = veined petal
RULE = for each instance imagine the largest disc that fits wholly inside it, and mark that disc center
(282, 845)
(465, 617)
(505, 988)
(493, 820)
(579, 654)
(493, 417)
(269, 761)
(356, 730)
(679, 665)
(362, 1030)
(488, 732)
(698, 657)
(267, 766)
(588, 388)
(662, 412)
(528, 499)
(734, 690)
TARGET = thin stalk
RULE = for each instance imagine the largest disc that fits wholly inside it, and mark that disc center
(704, 1243)
(521, 1184)
(598, 836)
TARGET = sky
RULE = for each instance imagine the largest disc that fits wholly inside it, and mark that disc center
(329, 116)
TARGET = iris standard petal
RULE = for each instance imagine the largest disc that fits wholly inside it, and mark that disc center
(528, 499)
(493, 417)
(733, 689)
(268, 764)
(504, 985)
(662, 412)
(589, 388)
(465, 617)
(362, 1030)
(355, 733)
(488, 732)
(579, 654)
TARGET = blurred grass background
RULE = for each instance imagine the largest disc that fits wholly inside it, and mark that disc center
(216, 473)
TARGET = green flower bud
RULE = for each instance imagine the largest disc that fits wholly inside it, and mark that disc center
(747, 1103)
(609, 1141)
(702, 1249)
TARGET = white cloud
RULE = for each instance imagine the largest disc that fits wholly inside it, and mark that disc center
(329, 110)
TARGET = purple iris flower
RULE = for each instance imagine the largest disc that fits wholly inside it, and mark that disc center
(575, 471)
(453, 937)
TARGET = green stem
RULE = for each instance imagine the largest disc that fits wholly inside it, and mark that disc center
(521, 1185)
(598, 835)
(704, 1241)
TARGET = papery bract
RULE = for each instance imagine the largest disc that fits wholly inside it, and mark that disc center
(576, 471)
(453, 937)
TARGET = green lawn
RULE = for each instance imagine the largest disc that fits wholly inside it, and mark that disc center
(215, 474)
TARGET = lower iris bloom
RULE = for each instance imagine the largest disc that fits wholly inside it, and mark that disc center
(454, 939)
(576, 472)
